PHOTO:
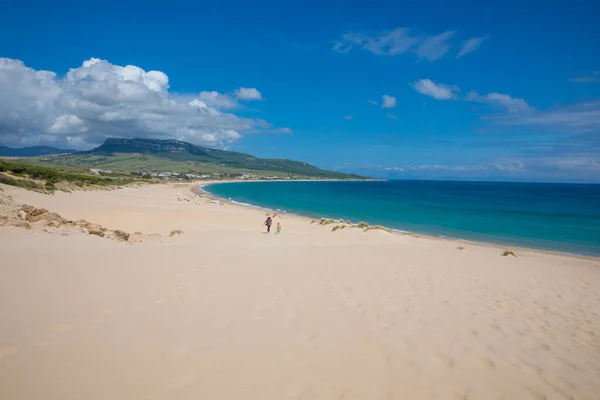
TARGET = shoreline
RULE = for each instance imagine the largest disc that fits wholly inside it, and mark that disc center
(197, 189)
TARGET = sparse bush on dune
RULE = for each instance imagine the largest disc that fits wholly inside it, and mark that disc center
(313, 221)
(383, 228)
(49, 177)
(326, 222)
(362, 224)
(508, 253)
(460, 248)
(335, 228)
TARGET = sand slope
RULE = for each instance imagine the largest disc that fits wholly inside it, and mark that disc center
(227, 312)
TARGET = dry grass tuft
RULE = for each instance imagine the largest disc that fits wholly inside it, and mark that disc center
(383, 228)
(508, 253)
(460, 248)
(362, 224)
(326, 222)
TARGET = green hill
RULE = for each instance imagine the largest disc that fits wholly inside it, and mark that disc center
(34, 151)
(152, 155)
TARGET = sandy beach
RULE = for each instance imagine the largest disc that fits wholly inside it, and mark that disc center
(222, 310)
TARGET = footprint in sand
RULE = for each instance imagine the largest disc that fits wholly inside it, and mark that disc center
(7, 350)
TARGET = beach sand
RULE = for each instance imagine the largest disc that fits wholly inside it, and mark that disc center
(224, 311)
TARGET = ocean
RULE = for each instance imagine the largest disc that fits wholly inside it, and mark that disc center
(547, 216)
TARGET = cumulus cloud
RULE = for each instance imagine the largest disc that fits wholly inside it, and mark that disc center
(98, 100)
(469, 46)
(436, 90)
(217, 100)
(248, 94)
(512, 104)
(388, 101)
(435, 47)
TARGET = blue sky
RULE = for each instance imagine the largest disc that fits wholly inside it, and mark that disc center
(473, 90)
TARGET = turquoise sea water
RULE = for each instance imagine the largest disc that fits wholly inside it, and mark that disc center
(559, 217)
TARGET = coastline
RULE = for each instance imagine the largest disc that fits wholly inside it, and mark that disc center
(456, 240)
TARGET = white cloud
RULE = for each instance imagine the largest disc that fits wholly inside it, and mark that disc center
(593, 78)
(248, 94)
(436, 90)
(445, 92)
(582, 117)
(388, 101)
(217, 100)
(99, 100)
(372, 102)
(401, 41)
(435, 47)
(512, 104)
(391, 43)
(469, 46)
(348, 117)
(508, 164)
(284, 130)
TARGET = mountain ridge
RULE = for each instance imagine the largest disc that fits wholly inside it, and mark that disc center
(174, 155)
(32, 151)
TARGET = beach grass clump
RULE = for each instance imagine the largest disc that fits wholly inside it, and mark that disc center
(460, 248)
(362, 224)
(508, 253)
(383, 228)
(335, 228)
(313, 221)
(326, 221)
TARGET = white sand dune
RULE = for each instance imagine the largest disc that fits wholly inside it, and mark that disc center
(224, 311)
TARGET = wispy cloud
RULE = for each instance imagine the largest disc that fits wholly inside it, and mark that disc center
(440, 91)
(348, 117)
(469, 46)
(399, 41)
(511, 165)
(434, 47)
(388, 101)
(284, 130)
(436, 90)
(372, 102)
(594, 78)
(582, 117)
(389, 43)
(512, 104)
(391, 116)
